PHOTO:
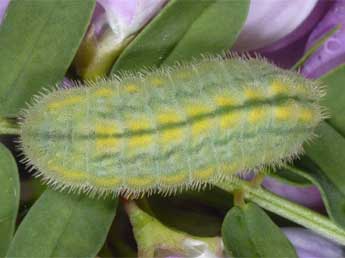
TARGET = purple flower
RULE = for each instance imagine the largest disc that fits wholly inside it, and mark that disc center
(289, 49)
(332, 53)
(113, 26)
(3, 7)
(311, 245)
(270, 21)
(127, 17)
(308, 196)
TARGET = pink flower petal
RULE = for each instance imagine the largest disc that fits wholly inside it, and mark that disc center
(3, 7)
(308, 196)
(332, 53)
(269, 21)
(311, 245)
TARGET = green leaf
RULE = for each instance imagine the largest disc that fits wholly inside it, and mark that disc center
(38, 40)
(333, 198)
(326, 170)
(64, 225)
(185, 29)
(248, 232)
(328, 152)
(334, 100)
(9, 198)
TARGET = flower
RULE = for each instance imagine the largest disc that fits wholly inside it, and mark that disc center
(269, 21)
(308, 196)
(113, 25)
(3, 7)
(332, 53)
(311, 245)
(127, 17)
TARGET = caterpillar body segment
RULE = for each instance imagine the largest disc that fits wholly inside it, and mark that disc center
(170, 129)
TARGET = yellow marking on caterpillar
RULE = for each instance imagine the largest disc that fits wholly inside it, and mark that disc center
(106, 181)
(104, 92)
(283, 112)
(168, 117)
(198, 109)
(140, 140)
(256, 115)
(157, 82)
(65, 102)
(201, 126)
(70, 174)
(107, 144)
(107, 128)
(131, 88)
(204, 173)
(305, 115)
(253, 94)
(140, 181)
(230, 119)
(277, 88)
(224, 101)
(171, 135)
(174, 179)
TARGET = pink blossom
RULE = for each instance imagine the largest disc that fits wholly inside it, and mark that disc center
(3, 7)
(332, 53)
(270, 21)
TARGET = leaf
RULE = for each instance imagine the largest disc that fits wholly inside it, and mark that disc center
(185, 29)
(334, 100)
(38, 40)
(333, 198)
(248, 232)
(9, 198)
(64, 225)
(328, 152)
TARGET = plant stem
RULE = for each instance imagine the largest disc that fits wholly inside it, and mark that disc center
(8, 127)
(289, 210)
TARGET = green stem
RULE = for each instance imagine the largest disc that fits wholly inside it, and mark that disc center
(289, 210)
(8, 127)
(315, 47)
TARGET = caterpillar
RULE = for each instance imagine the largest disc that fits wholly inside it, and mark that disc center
(174, 128)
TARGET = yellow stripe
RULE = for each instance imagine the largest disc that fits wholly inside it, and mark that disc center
(256, 114)
(202, 126)
(107, 144)
(142, 140)
(224, 101)
(104, 92)
(131, 88)
(70, 175)
(140, 181)
(305, 115)
(204, 173)
(198, 109)
(106, 127)
(157, 82)
(62, 103)
(230, 119)
(106, 181)
(253, 94)
(174, 179)
(283, 112)
(171, 135)
(277, 88)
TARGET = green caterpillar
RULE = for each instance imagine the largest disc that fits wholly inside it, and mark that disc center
(170, 129)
